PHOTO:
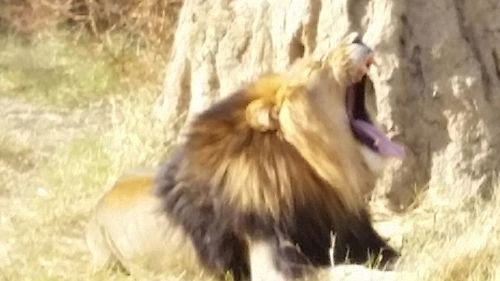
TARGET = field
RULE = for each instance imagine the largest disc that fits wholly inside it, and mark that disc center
(75, 113)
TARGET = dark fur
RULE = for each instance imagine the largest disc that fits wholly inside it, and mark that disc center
(300, 234)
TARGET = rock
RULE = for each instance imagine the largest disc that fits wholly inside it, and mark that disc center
(437, 78)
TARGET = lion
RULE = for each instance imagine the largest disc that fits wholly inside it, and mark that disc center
(261, 181)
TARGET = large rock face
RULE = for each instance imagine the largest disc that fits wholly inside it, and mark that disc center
(437, 79)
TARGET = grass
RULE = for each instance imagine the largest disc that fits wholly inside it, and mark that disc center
(63, 69)
(77, 114)
(457, 240)
(75, 119)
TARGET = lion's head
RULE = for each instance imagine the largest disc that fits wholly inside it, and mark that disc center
(318, 106)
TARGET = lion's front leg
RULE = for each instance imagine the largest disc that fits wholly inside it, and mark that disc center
(262, 255)
(276, 259)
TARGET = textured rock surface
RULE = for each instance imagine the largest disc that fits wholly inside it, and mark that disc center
(437, 79)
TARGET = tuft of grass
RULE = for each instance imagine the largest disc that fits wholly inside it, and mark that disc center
(15, 153)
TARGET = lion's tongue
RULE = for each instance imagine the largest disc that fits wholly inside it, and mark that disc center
(384, 145)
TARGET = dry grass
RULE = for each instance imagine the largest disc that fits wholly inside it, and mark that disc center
(62, 143)
(452, 240)
(73, 120)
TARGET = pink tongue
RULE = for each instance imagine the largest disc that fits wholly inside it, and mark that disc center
(385, 146)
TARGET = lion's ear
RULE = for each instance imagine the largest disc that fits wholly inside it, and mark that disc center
(262, 115)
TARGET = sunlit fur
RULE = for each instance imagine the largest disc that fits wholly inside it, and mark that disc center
(262, 177)
(128, 229)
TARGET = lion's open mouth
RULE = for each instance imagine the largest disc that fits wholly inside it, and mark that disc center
(362, 126)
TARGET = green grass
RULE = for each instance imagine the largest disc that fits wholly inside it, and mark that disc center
(78, 114)
(63, 69)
